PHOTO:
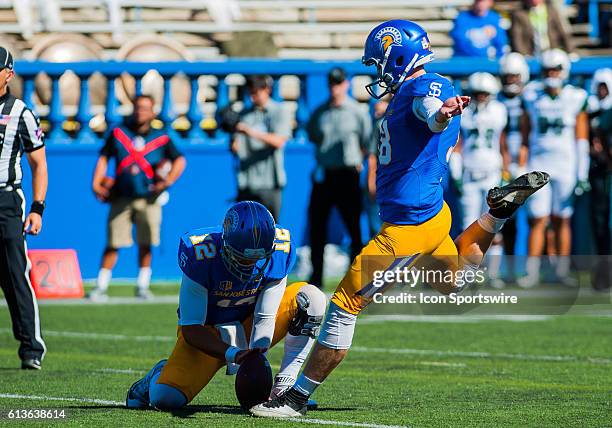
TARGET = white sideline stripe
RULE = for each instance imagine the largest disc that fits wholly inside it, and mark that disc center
(121, 403)
(526, 357)
(80, 400)
(428, 352)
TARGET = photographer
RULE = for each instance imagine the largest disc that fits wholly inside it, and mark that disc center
(258, 141)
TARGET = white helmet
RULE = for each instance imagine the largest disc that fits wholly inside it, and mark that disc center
(514, 63)
(603, 75)
(554, 58)
(483, 82)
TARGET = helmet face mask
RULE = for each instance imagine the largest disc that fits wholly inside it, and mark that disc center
(514, 73)
(248, 240)
(555, 68)
(483, 86)
(396, 48)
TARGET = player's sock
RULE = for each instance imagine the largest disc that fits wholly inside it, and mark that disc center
(144, 278)
(305, 386)
(165, 397)
(297, 349)
(104, 277)
(491, 223)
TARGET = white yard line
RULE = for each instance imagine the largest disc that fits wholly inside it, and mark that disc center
(309, 421)
(165, 299)
(101, 336)
(467, 354)
(79, 400)
(464, 318)
(342, 424)
(406, 351)
(120, 371)
(442, 364)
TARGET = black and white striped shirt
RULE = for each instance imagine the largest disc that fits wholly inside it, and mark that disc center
(19, 132)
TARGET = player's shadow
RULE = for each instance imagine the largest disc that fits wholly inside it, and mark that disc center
(190, 410)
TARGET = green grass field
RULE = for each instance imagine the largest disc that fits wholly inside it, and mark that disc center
(553, 372)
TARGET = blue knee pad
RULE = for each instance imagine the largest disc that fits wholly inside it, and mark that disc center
(165, 397)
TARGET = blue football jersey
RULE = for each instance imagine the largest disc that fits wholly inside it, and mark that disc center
(229, 299)
(412, 160)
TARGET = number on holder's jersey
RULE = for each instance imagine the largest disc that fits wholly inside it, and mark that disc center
(228, 303)
(384, 146)
(206, 250)
(284, 236)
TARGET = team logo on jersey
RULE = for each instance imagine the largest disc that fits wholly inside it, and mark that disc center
(231, 221)
(225, 285)
(389, 36)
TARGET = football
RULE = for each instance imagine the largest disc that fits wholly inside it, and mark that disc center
(253, 381)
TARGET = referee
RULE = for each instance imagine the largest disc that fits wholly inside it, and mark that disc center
(20, 132)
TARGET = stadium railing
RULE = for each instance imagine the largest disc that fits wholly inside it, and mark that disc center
(75, 219)
(311, 74)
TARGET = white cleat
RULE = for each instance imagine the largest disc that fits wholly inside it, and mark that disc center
(291, 404)
(98, 295)
(528, 281)
(497, 283)
(144, 294)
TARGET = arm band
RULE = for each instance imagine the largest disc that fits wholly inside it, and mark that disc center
(37, 207)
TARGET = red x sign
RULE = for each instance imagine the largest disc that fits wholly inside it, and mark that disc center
(138, 156)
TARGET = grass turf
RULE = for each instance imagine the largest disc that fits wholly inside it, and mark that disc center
(399, 373)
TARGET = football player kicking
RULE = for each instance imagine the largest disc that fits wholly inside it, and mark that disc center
(234, 287)
(418, 134)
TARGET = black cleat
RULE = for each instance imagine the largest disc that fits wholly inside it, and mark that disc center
(504, 201)
(31, 364)
(288, 405)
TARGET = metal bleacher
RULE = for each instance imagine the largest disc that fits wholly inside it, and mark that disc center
(316, 29)
(320, 29)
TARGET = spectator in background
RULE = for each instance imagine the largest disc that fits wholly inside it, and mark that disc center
(341, 132)
(477, 32)
(537, 27)
(146, 164)
(258, 143)
(600, 115)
